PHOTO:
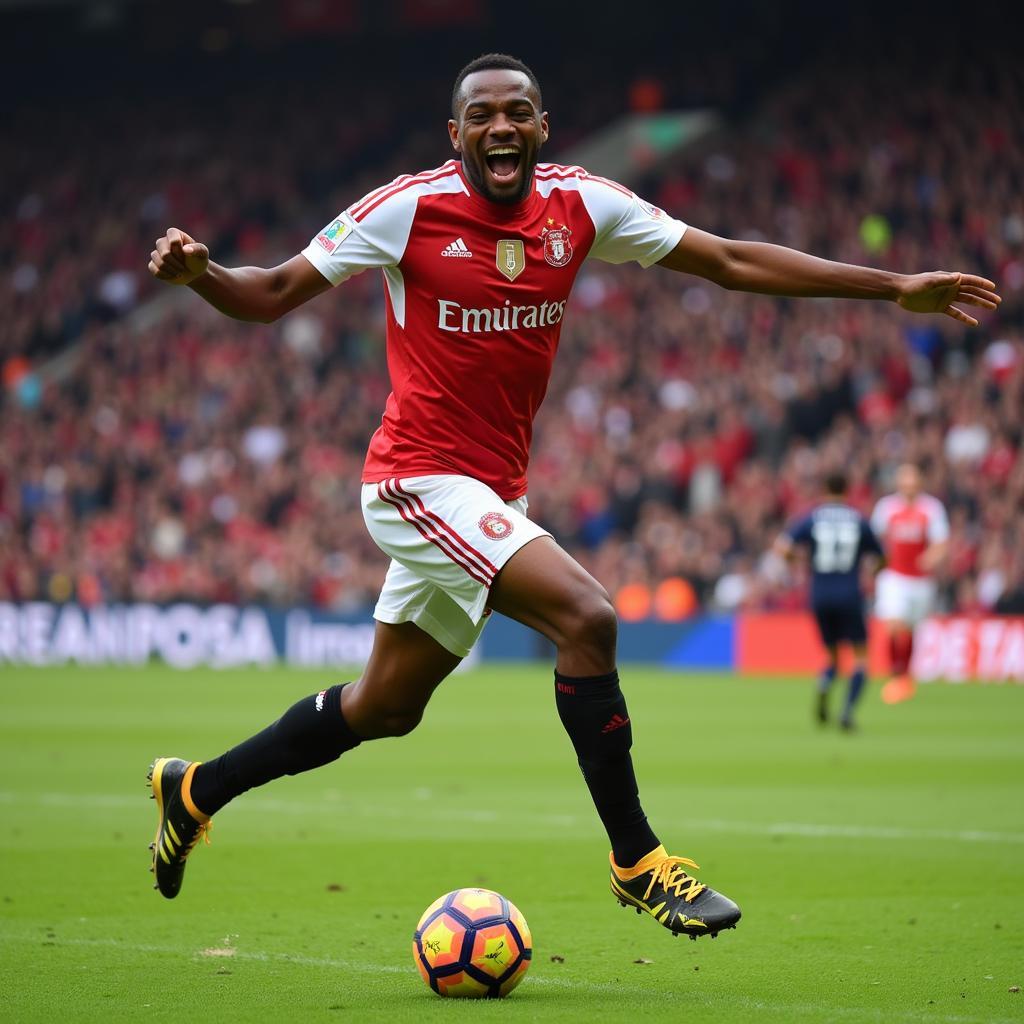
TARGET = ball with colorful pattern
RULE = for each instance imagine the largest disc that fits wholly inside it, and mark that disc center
(472, 944)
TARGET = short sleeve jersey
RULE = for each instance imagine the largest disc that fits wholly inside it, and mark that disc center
(908, 529)
(475, 296)
(838, 537)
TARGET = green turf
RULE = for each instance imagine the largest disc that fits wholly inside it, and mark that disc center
(880, 874)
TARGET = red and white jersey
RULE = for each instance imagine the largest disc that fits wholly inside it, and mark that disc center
(476, 292)
(908, 529)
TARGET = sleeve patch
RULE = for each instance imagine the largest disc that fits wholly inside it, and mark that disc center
(333, 235)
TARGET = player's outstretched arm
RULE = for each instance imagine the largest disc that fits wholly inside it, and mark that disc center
(245, 293)
(784, 548)
(776, 270)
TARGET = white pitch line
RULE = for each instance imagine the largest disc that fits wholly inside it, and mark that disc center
(813, 831)
(426, 811)
(881, 1016)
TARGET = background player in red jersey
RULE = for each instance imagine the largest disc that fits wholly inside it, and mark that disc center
(915, 533)
(469, 352)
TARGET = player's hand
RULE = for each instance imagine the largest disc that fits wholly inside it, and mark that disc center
(178, 258)
(938, 291)
(930, 559)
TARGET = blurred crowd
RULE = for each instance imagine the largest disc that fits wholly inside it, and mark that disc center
(181, 455)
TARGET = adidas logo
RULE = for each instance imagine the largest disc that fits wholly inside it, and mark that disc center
(457, 248)
(616, 722)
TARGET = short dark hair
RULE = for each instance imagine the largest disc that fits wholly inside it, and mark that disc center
(491, 62)
(835, 483)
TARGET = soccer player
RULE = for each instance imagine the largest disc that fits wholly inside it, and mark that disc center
(479, 256)
(915, 532)
(838, 538)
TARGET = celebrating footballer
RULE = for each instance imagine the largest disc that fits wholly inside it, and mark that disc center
(479, 256)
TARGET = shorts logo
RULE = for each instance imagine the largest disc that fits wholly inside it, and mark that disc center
(332, 236)
(320, 697)
(510, 257)
(557, 247)
(495, 526)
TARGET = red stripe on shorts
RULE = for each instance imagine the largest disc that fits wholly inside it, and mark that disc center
(431, 533)
(471, 552)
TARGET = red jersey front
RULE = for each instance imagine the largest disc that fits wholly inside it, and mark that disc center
(908, 529)
(476, 292)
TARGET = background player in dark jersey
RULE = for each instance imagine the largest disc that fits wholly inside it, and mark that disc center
(838, 538)
(497, 128)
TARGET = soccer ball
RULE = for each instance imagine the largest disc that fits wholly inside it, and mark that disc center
(473, 944)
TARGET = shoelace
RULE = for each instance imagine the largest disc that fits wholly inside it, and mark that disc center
(204, 831)
(671, 875)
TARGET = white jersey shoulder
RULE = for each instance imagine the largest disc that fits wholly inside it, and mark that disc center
(626, 227)
(884, 510)
(938, 521)
(374, 231)
(933, 509)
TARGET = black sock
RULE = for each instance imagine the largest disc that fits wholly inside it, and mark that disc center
(309, 734)
(593, 711)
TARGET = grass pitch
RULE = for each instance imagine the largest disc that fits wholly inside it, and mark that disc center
(880, 874)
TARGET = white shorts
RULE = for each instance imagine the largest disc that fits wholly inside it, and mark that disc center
(447, 536)
(900, 598)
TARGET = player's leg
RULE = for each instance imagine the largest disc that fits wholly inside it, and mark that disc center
(406, 665)
(544, 588)
(404, 668)
(900, 685)
(906, 613)
(858, 676)
(917, 599)
(853, 629)
(893, 606)
(826, 621)
(825, 681)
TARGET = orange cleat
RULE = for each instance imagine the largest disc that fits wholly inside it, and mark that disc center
(898, 689)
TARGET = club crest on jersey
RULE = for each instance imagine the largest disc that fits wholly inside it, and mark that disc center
(557, 247)
(495, 526)
(510, 257)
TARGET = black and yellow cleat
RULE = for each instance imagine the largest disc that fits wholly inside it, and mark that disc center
(179, 822)
(659, 885)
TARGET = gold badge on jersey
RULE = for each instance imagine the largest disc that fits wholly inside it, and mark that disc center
(510, 257)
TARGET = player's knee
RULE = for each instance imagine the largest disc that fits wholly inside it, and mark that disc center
(399, 723)
(378, 723)
(373, 718)
(593, 622)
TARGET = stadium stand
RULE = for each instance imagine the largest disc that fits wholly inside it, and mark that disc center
(201, 459)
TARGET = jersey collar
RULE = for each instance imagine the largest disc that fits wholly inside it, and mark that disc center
(499, 212)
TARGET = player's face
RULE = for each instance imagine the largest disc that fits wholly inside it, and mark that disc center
(908, 482)
(499, 132)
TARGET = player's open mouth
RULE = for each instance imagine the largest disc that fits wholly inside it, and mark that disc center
(503, 163)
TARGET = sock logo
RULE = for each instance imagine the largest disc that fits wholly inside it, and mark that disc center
(616, 722)
(320, 700)
(566, 688)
